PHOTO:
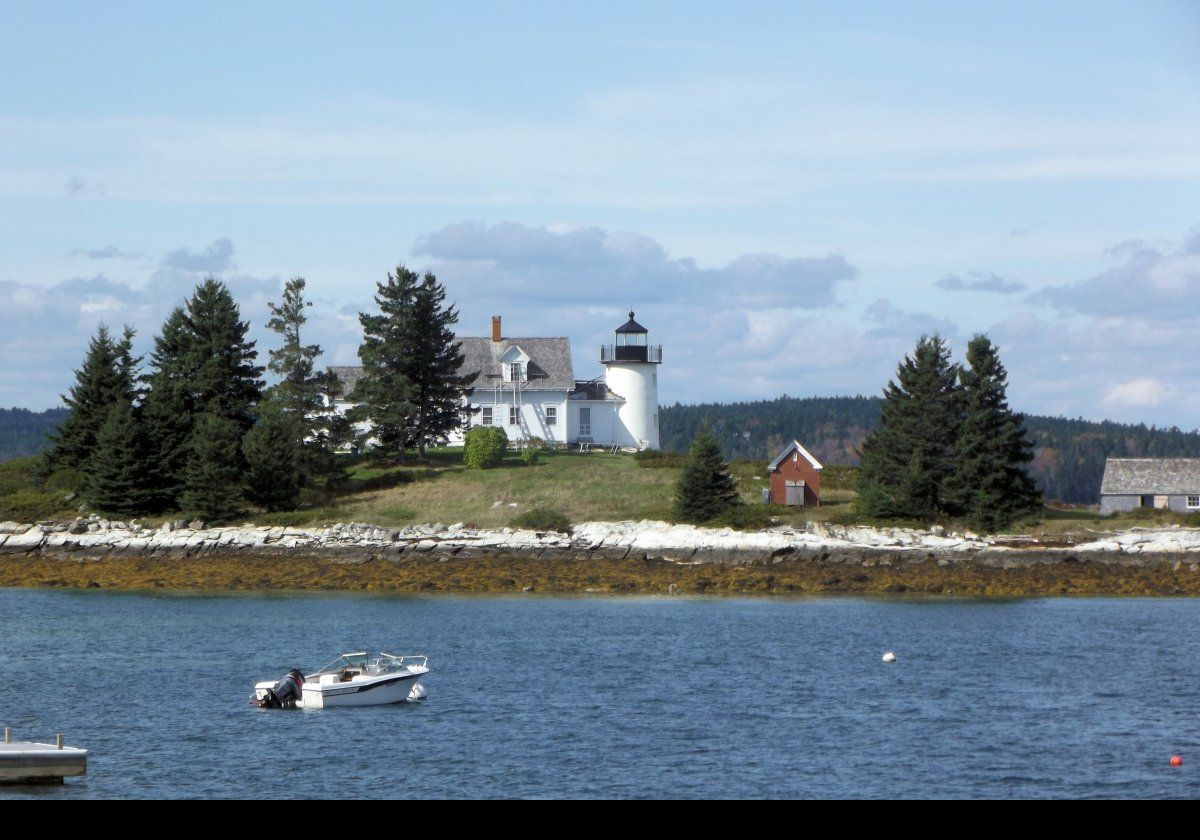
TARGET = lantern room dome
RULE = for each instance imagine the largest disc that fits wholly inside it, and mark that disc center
(631, 326)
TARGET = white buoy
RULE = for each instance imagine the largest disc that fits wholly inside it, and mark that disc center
(418, 692)
(889, 657)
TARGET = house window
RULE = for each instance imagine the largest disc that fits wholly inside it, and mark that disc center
(514, 372)
(551, 415)
(486, 419)
(1193, 502)
(585, 421)
(513, 415)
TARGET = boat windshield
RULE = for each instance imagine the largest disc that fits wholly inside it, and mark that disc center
(367, 663)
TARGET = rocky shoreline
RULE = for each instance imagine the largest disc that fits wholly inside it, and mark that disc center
(596, 556)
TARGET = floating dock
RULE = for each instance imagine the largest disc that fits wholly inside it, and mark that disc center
(31, 763)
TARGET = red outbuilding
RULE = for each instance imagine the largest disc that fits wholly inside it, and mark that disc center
(795, 477)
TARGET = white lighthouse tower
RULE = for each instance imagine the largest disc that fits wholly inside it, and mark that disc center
(631, 372)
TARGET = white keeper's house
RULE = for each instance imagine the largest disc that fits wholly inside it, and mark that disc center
(527, 387)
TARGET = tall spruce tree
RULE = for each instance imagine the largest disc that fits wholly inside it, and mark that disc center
(213, 475)
(385, 393)
(220, 359)
(99, 384)
(119, 470)
(168, 411)
(907, 460)
(302, 389)
(432, 366)
(705, 489)
(202, 363)
(990, 485)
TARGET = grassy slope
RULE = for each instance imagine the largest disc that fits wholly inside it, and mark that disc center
(592, 486)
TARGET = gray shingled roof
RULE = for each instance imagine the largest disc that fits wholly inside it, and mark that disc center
(348, 376)
(1143, 476)
(549, 363)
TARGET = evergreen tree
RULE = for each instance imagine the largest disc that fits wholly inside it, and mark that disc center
(219, 358)
(273, 458)
(385, 394)
(302, 389)
(117, 477)
(213, 476)
(98, 385)
(202, 363)
(168, 411)
(990, 485)
(432, 366)
(705, 489)
(907, 460)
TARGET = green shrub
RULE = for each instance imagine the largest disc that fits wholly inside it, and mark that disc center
(530, 457)
(65, 479)
(746, 517)
(543, 519)
(27, 505)
(658, 459)
(19, 474)
(484, 447)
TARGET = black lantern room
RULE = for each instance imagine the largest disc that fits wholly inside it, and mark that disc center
(631, 345)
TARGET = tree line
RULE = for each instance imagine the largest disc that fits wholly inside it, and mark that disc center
(194, 428)
(1069, 454)
(23, 432)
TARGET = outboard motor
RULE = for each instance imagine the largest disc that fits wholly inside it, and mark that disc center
(285, 693)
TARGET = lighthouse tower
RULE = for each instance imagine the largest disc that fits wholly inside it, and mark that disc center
(631, 372)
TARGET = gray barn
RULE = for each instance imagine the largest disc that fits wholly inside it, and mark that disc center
(1168, 483)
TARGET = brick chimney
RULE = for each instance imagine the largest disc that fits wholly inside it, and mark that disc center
(496, 328)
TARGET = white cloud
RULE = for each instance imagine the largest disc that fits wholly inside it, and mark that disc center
(1136, 393)
(1161, 281)
(980, 281)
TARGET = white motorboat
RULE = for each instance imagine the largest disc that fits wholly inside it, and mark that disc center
(353, 679)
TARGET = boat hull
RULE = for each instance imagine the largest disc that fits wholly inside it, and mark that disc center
(382, 691)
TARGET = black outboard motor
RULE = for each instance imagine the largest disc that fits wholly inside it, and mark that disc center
(285, 693)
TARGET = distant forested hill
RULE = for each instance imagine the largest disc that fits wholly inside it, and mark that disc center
(23, 432)
(1069, 458)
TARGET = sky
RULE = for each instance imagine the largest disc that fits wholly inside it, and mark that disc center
(788, 194)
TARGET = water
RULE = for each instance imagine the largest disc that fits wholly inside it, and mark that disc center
(614, 697)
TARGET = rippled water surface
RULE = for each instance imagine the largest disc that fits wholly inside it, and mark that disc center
(614, 697)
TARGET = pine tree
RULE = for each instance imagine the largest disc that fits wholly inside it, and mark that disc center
(117, 478)
(990, 484)
(97, 387)
(218, 356)
(907, 460)
(168, 411)
(705, 489)
(385, 394)
(273, 456)
(213, 476)
(432, 366)
(302, 389)
(202, 363)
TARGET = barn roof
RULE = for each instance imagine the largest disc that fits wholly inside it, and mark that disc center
(795, 446)
(549, 364)
(1138, 476)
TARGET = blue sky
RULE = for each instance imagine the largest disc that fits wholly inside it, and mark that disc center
(789, 194)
